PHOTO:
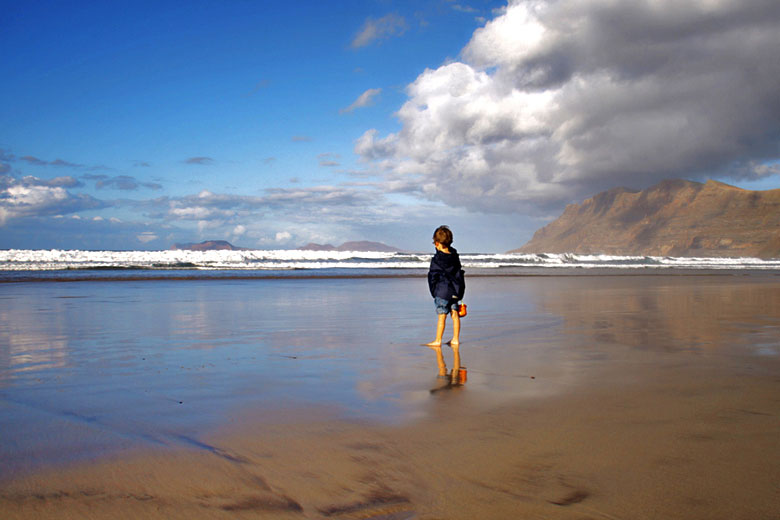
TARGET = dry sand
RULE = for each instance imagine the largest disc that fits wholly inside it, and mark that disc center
(645, 434)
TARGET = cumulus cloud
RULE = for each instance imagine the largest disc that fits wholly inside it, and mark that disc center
(379, 29)
(555, 100)
(305, 204)
(365, 99)
(32, 197)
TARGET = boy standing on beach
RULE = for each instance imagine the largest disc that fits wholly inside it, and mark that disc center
(447, 284)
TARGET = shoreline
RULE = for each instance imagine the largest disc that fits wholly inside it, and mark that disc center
(100, 275)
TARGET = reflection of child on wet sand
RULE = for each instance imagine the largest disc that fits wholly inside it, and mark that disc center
(447, 284)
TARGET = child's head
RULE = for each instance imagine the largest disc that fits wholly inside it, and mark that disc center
(443, 235)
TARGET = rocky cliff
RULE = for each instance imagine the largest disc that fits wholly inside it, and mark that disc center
(673, 218)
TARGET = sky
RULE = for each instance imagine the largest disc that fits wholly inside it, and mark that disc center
(137, 125)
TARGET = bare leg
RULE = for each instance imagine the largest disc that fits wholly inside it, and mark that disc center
(455, 329)
(439, 331)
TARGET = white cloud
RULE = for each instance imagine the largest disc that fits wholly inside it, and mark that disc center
(197, 213)
(146, 236)
(32, 197)
(379, 29)
(283, 236)
(464, 8)
(365, 99)
(300, 204)
(556, 100)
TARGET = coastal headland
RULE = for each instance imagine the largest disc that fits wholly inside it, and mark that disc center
(673, 218)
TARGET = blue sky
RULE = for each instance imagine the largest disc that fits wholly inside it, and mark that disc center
(273, 124)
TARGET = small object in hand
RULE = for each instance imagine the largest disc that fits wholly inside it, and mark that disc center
(462, 311)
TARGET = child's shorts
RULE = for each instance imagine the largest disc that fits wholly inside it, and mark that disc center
(445, 306)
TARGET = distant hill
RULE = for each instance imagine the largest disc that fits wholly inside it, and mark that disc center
(208, 245)
(363, 245)
(672, 218)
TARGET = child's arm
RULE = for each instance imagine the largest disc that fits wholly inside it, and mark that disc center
(435, 275)
(433, 281)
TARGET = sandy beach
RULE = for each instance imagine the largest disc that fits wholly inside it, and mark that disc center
(618, 397)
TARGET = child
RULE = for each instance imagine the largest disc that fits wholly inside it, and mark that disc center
(447, 284)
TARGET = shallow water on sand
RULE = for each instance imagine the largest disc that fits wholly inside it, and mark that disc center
(93, 368)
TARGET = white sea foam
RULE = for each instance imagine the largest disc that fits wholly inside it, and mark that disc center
(49, 260)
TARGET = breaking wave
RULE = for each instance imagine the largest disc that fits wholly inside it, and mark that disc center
(279, 260)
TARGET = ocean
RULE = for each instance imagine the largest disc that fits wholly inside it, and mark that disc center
(22, 265)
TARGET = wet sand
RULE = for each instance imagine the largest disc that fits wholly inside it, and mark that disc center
(587, 397)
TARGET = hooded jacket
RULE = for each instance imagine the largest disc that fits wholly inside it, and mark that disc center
(446, 278)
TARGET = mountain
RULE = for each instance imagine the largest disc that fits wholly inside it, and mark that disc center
(208, 245)
(672, 218)
(363, 245)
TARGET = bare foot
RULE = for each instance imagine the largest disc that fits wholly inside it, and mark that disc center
(433, 344)
(453, 343)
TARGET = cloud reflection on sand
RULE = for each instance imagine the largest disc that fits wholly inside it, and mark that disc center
(29, 348)
(30, 352)
(669, 314)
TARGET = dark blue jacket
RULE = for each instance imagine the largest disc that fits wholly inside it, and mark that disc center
(446, 278)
